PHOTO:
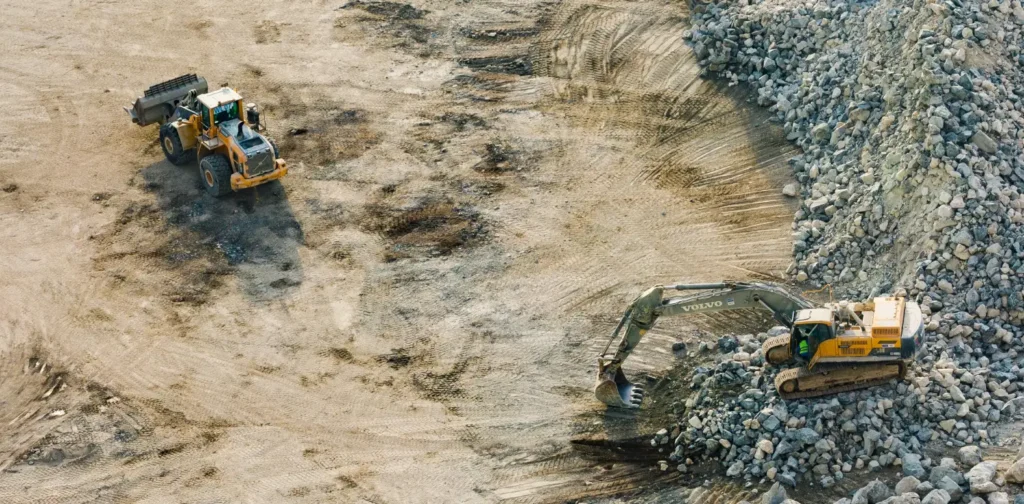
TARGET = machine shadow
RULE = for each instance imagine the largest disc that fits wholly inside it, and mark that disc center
(255, 230)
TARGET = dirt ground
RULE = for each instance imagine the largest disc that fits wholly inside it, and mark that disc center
(414, 313)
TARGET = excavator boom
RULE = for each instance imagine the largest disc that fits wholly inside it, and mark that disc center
(614, 389)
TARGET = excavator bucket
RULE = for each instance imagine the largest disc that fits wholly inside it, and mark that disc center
(159, 103)
(617, 391)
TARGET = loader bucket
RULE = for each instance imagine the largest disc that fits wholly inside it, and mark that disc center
(160, 101)
(615, 390)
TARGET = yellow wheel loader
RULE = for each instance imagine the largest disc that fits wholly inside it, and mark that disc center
(839, 346)
(217, 129)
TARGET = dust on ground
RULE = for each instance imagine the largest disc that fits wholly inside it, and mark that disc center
(476, 190)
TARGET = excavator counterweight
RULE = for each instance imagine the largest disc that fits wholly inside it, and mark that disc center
(841, 346)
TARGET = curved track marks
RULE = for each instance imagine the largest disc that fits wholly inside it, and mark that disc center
(471, 372)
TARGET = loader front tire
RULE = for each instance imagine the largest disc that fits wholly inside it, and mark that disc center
(215, 170)
(170, 142)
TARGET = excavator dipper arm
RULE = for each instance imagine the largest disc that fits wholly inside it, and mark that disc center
(614, 389)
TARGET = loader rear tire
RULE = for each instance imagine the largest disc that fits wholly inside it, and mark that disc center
(215, 170)
(171, 144)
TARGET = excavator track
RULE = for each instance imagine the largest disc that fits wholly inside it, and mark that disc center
(776, 350)
(799, 383)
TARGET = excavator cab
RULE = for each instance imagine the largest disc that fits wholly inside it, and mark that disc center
(811, 327)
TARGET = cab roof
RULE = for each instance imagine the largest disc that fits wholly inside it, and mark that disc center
(219, 97)
(814, 316)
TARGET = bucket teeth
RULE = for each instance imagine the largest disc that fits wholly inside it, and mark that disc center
(619, 392)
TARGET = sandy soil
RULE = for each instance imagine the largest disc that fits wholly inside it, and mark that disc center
(414, 313)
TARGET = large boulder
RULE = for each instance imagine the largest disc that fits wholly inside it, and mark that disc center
(1015, 474)
(872, 493)
(907, 498)
(775, 495)
(937, 496)
(907, 485)
(970, 456)
(735, 470)
(912, 466)
(951, 487)
(943, 471)
(980, 477)
(998, 498)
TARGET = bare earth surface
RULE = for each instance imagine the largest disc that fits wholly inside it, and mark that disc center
(413, 314)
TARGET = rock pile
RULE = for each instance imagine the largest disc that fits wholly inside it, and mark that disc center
(943, 485)
(735, 416)
(910, 121)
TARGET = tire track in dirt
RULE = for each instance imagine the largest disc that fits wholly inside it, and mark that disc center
(664, 177)
(471, 371)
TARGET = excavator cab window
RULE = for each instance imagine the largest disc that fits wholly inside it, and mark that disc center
(809, 336)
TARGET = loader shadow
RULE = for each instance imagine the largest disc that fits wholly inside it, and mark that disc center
(255, 230)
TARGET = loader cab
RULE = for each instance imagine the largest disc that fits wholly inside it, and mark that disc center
(811, 328)
(218, 107)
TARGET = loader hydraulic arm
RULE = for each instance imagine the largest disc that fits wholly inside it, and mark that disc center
(612, 386)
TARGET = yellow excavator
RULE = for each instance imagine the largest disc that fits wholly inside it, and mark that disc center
(840, 346)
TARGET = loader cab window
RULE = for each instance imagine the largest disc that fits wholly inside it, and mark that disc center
(225, 112)
(809, 336)
(204, 113)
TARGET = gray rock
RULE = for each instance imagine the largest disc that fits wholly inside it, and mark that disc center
(786, 479)
(735, 470)
(907, 498)
(912, 466)
(924, 488)
(998, 498)
(937, 496)
(806, 436)
(873, 493)
(984, 142)
(906, 485)
(980, 478)
(951, 487)
(775, 495)
(1015, 474)
(782, 449)
(939, 472)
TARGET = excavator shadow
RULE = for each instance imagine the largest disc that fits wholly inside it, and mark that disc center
(254, 231)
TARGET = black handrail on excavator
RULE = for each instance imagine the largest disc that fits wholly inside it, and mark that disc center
(614, 389)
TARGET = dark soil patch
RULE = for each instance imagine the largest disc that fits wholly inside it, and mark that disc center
(479, 188)
(500, 34)
(500, 157)
(442, 386)
(390, 10)
(323, 137)
(397, 359)
(171, 450)
(463, 121)
(513, 64)
(339, 354)
(435, 227)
